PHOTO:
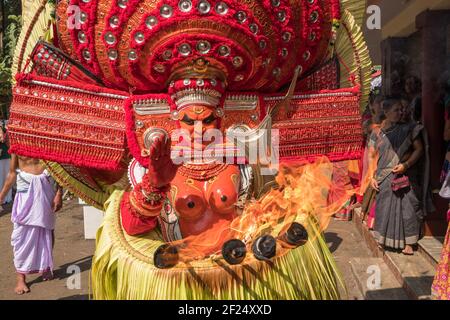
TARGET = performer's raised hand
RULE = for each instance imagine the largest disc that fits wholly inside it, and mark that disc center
(160, 150)
(161, 168)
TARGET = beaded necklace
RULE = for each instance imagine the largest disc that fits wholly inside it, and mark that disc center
(201, 172)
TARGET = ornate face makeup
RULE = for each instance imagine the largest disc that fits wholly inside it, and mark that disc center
(198, 109)
(197, 99)
(197, 119)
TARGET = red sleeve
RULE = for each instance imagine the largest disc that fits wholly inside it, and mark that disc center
(132, 223)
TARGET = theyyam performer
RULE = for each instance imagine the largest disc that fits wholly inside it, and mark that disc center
(218, 136)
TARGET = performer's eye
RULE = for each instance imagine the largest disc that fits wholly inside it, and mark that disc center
(187, 120)
(191, 204)
(209, 119)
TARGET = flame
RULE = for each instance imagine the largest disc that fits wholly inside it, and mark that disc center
(304, 192)
(370, 160)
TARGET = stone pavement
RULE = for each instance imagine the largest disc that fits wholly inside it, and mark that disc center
(72, 251)
(346, 243)
(413, 274)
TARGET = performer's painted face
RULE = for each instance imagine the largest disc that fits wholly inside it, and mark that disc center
(197, 119)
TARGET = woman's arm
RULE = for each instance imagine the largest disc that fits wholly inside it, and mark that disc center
(11, 178)
(417, 153)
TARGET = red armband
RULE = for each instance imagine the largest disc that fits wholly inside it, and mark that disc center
(132, 221)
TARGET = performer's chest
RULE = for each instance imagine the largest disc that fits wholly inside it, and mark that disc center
(203, 199)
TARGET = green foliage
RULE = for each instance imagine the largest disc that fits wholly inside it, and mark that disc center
(11, 7)
(10, 37)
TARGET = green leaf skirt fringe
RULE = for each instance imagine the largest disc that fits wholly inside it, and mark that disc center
(123, 269)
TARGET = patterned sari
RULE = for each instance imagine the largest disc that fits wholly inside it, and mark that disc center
(399, 215)
(441, 284)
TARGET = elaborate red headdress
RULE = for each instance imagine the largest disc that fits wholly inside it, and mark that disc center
(256, 44)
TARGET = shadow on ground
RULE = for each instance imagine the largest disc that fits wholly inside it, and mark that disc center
(5, 209)
(421, 285)
(383, 293)
(62, 272)
(334, 239)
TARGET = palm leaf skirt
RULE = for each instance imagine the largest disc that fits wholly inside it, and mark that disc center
(123, 269)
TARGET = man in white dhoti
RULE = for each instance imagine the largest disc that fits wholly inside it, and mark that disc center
(33, 216)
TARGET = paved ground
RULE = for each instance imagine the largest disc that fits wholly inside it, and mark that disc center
(72, 251)
(345, 242)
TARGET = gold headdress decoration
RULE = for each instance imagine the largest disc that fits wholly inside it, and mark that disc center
(199, 68)
(197, 82)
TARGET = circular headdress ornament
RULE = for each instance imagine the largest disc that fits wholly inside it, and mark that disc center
(141, 44)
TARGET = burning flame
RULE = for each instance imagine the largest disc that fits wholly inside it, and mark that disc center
(304, 192)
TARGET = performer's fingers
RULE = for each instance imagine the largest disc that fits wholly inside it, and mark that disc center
(150, 152)
(167, 147)
(156, 149)
(153, 151)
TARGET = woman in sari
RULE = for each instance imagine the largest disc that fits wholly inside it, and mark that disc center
(399, 208)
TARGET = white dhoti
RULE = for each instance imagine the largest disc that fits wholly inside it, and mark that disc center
(34, 220)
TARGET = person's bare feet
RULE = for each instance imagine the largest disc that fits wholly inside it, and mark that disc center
(21, 286)
(409, 251)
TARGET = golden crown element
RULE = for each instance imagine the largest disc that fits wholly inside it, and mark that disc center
(199, 71)
(189, 97)
(199, 68)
